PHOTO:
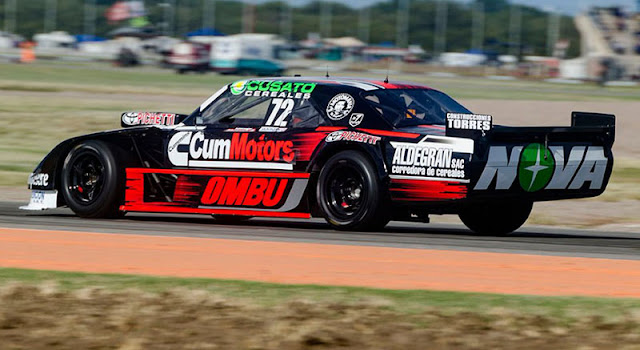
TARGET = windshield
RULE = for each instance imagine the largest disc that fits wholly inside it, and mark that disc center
(413, 106)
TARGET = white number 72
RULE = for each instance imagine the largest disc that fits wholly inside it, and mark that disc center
(282, 107)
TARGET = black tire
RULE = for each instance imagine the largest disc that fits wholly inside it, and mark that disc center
(92, 182)
(496, 218)
(350, 195)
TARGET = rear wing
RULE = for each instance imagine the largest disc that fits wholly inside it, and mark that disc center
(585, 127)
(597, 120)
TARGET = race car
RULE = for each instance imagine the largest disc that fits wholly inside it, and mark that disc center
(357, 152)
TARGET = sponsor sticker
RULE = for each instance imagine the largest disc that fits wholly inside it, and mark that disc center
(540, 168)
(40, 180)
(194, 149)
(352, 136)
(271, 129)
(463, 121)
(433, 157)
(245, 191)
(238, 87)
(148, 118)
(355, 119)
(275, 88)
(340, 106)
(240, 129)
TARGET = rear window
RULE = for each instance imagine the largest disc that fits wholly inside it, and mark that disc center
(407, 107)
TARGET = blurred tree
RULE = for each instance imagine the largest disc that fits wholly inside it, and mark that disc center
(305, 19)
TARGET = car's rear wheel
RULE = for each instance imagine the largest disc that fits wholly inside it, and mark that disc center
(92, 181)
(350, 194)
(496, 218)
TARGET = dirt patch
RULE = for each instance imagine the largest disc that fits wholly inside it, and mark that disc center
(43, 317)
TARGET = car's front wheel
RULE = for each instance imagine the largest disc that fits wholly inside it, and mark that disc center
(92, 181)
(496, 218)
(350, 194)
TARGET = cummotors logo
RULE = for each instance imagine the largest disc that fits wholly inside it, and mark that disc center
(244, 191)
(538, 168)
(191, 149)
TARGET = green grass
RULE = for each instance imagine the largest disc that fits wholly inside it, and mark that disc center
(100, 77)
(268, 294)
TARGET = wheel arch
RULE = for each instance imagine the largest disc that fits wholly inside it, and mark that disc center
(53, 162)
(373, 152)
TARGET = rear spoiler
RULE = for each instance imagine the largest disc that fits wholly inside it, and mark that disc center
(585, 126)
(130, 119)
(598, 120)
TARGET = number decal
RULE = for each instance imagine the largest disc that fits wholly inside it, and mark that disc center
(279, 112)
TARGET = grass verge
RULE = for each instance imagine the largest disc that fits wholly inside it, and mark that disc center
(61, 310)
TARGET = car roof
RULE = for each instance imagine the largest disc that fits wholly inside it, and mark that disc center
(361, 83)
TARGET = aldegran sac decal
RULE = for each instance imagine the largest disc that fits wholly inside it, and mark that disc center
(432, 157)
(539, 168)
(194, 149)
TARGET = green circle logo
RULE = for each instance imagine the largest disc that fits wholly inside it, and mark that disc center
(238, 87)
(535, 168)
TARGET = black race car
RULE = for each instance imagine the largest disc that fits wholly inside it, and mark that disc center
(357, 152)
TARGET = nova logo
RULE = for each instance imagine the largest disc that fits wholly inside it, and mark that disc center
(539, 168)
(535, 168)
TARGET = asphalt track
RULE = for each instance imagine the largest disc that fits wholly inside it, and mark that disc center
(528, 240)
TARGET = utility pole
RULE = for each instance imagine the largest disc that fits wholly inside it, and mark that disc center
(553, 32)
(325, 19)
(402, 24)
(168, 21)
(10, 14)
(50, 14)
(477, 35)
(515, 25)
(208, 13)
(440, 38)
(286, 19)
(364, 24)
(90, 17)
(248, 17)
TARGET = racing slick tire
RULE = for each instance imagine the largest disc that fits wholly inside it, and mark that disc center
(350, 194)
(496, 218)
(92, 182)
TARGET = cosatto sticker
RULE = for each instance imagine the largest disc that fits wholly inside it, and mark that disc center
(540, 168)
(275, 88)
(340, 106)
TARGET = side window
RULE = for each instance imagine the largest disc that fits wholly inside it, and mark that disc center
(305, 115)
(232, 110)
